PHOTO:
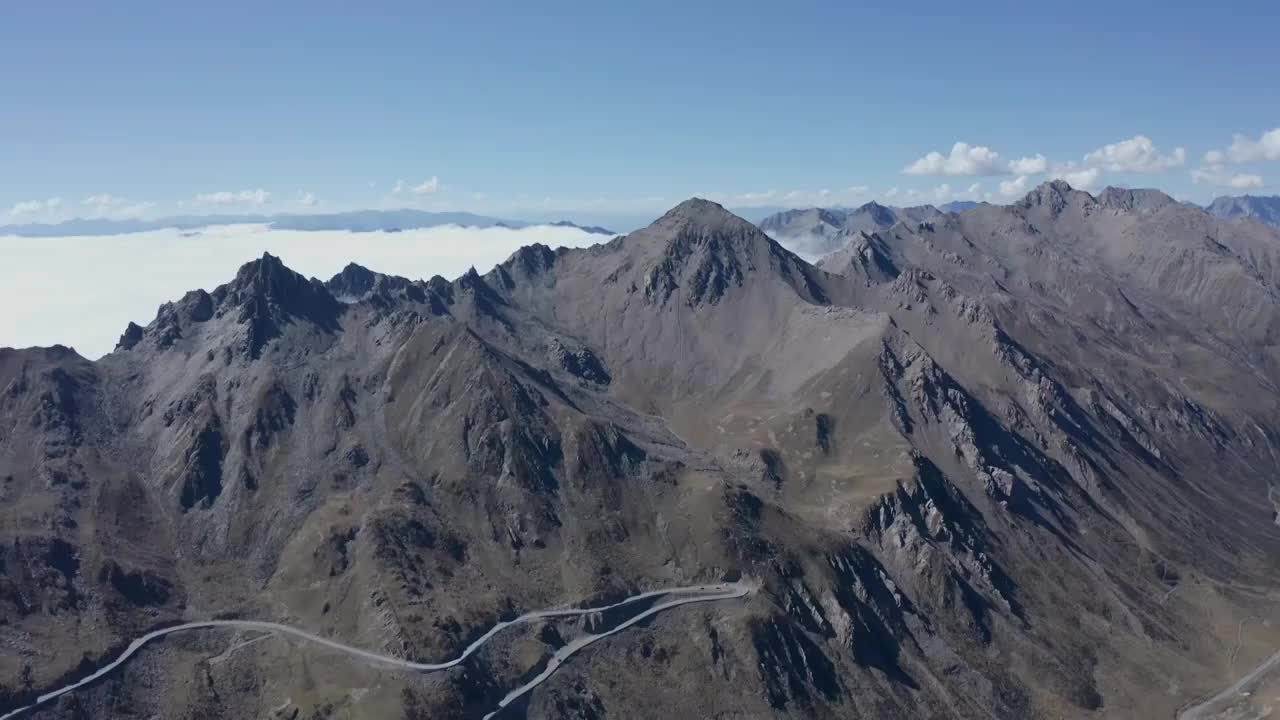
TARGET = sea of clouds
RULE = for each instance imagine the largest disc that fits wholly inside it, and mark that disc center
(83, 291)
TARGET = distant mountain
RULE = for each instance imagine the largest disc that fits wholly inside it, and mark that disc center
(959, 206)
(374, 220)
(590, 229)
(1263, 209)
(354, 221)
(814, 232)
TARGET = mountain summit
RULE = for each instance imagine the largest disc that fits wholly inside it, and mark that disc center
(703, 216)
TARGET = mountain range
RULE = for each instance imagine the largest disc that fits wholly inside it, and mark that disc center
(1263, 209)
(1012, 462)
(814, 232)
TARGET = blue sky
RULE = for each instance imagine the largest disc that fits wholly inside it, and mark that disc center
(593, 109)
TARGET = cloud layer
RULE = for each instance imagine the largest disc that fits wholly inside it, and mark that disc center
(223, 198)
(87, 303)
(25, 208)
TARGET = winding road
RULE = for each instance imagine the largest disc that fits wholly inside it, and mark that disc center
(1223, 699)
(681, 595)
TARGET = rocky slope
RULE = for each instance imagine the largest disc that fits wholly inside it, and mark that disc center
(1012, 463)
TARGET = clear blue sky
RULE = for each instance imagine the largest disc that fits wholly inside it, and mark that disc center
(598, 107)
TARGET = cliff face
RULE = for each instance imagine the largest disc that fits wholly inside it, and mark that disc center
(1012, 463)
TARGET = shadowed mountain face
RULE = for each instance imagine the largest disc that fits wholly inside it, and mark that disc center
(1015, 463)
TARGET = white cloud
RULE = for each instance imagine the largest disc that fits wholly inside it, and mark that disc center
(1074, 175)
(427, 187)
(1214, 157)
(1217, 176)
(1137, 154)
(964, 159)
(1244, 182)
(215, 198)
(255, 198)
(756, 198)
(35, 207)
(103, 201)
(306, 199)
(128, 277)
(825, 197)
(975, 189)
(26, 207)
(1033, 165)
(1243, 149)
(1080, 178)
(942, 193)
(1015, 187)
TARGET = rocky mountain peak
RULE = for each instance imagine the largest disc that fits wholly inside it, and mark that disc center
(706, 250)
(532, 259)
(816, 221)
(880, 214)
(865, 257)
(529, 263)
(196, 306)
(484, 295)
(703, 217)
(132, 336)
(269, 296)
(830, 216)
(1054, 196)
(353, 281)
(1134, 199)
(356, 283)
(269, 278)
